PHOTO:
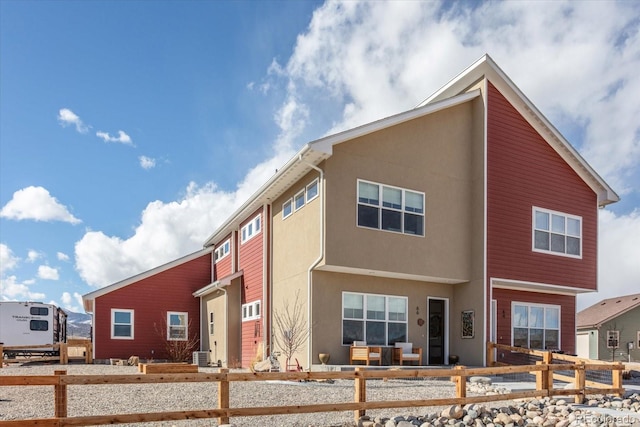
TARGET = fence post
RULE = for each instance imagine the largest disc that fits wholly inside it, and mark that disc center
(64, 353)
(461, 382)
(616, 378)
(1, 356)
(88, 353)
(491, 360)
(60, 396)
(580, 376)
(542, 379)
(360, 394)
(223, 395)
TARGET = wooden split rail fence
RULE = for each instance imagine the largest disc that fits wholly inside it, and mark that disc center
(60, 381)
(62, 348)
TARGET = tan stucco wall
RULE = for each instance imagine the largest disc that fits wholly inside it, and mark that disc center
(216, 344)
(296, 245)
(431, 155)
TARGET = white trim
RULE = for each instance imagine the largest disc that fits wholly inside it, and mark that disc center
(544, 319)
(113, 323)
(251, 229)
(222, 251)
(251, 311)
(545, 288)
(284, 210)
(565, 233)
(315, 182)
(300, 195)
(185, 326)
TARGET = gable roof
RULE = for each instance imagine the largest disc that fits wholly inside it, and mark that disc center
(605, 310)
(485, 67)
(453, 93)
(87, 299)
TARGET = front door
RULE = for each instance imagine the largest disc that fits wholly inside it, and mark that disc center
(436, 331)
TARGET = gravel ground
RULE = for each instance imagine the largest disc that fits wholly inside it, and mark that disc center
(37, 401)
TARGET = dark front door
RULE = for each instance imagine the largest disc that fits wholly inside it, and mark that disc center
(436, 331)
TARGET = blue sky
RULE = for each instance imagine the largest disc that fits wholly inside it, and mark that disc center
(130, 130)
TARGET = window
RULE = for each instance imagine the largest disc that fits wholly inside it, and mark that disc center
(211, 323)
(121, 324)
(613, 339)
(298, 200)
(251, 311)
(39, 311)
(390, 208)
(222, 251)
(177, 324)
(557, 233)
(535, 326)
(287, 208)
(251, 229)
(39, 325)
(376, 319)
(312, 191)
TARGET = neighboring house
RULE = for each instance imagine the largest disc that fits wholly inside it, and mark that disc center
(467, 219)
(140, 315)
(605, 330)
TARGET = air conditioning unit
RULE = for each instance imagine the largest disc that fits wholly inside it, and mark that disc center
(201, 358)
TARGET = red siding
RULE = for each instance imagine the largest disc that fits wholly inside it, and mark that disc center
(151, 299)
(567, 304)
(251, 261)
(224, 267)
(524, 171)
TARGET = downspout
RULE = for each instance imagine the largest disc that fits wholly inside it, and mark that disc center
(266, 257)
(317, 261)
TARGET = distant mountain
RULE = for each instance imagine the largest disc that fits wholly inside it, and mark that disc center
(78, 325)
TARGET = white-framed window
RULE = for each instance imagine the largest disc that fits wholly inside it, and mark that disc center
(535, 326)
(287, 208)
(312, 190)
(177, 324)
(376, 319)
(388, 208)
(251, 229)
(613, 339)
(222, 251)
(251, 311)
(211, 323)
(121, 324)
(298, 200)
(557, 233)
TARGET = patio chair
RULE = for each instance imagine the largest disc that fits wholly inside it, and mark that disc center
(362, 352)
(405, 352)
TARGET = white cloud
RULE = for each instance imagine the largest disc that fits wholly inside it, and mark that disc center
(62, 256)
(48, 273)
(33, 255)
(12, 290)
(7, 260)
(147, 162)
(122, 137)
(72, 302)
(67, 117)
(37, 204)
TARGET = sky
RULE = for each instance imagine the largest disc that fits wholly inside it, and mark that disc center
(130, 130)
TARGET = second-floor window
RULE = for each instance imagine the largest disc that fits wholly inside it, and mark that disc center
(223, 250)
(390, 208)
(557, 233)
(251, 311)
(251, 229)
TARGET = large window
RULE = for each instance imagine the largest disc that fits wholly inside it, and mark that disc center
(121, 324)
(251, 311)
(557, 233)
(535, 326)
(177, 326)
(390, 208)
(222, 251)
(251, 229)
(376, 319)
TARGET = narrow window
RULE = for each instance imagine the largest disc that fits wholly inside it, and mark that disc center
(287, 208)
(312, 191)
(298, 200)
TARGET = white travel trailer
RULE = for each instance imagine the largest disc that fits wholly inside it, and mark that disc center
(31, 323)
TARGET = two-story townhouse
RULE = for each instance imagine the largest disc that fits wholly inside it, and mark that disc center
(465, 219)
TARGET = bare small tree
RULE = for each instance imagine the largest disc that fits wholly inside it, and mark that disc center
(177, 350)
(291, 328)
